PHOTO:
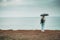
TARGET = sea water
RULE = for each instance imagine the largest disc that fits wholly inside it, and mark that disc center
(29, 23)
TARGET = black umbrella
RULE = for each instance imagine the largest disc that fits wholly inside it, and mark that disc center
(44, 15)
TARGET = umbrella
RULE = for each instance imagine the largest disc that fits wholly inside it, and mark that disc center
(44, 15)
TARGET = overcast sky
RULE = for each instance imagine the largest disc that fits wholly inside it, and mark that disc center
(29, 8)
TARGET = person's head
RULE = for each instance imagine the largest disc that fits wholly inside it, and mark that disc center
(43, 16)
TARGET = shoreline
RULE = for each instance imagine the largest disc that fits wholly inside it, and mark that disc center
(30, 35)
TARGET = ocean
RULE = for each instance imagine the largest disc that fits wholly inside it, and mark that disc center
(29, 23)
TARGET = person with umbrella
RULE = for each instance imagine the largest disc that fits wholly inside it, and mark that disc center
(43, 21)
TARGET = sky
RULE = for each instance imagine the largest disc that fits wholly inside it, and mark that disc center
(29, 8)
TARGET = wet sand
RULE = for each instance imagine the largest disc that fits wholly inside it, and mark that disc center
(29, 35)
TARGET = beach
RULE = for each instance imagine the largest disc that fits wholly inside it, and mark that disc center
(29, 35)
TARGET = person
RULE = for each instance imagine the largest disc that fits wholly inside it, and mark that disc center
(42, 23)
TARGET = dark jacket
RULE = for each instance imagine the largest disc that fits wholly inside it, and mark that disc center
(42, 21)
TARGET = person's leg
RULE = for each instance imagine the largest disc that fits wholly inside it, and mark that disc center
(42, 25)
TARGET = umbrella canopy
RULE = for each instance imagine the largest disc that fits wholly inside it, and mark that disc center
(44, 15)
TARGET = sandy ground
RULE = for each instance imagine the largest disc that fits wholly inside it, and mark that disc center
(29, 35)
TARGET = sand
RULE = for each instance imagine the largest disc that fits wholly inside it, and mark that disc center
(29, 35)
